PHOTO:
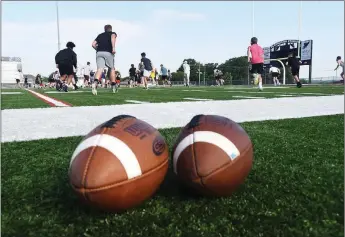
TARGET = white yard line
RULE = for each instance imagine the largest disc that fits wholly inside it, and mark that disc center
(59, 92)
(197, 99)
(78, 121)
(246, 97)
(11, 93)
(137, 102)
(49, 100)
(285, 95)
(195, 90)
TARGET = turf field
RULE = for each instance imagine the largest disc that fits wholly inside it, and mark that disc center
(294, 189)
(84, 97)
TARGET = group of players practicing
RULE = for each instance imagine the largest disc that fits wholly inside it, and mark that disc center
(104, 44)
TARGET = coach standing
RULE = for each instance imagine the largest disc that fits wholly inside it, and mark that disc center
(186, 73)
(104, 44)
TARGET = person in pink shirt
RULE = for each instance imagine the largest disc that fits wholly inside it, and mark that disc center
(256, 57)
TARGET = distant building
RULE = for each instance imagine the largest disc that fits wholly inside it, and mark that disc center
(10, 70)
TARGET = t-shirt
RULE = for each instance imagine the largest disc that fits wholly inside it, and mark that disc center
(104, 42)
(147, 64)
(132, 71)
(217, 72)
(186, 68)
(87, 70)
(274, 69)
(66, 56)
(293, 62)
(164, 71)
(257, 54)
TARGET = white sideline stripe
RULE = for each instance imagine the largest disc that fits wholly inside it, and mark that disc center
(115, 146)
(137, 102)
(311, 93)
(209, 137)
(286, 95)
(195, 90)
(197, 99)
(11, 93)
(78, 121)
(60, 92)
(247, 97)
(51, 100)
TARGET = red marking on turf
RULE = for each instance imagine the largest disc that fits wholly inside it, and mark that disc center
(48, 102)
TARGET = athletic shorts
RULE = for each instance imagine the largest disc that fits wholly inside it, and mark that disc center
(275, 74)
(17, 80)
(65, 69)
(257, 68)
(295, 71)
(86, 77)
(147, 73)
(217, 77)
(164, 77)
(105, 59)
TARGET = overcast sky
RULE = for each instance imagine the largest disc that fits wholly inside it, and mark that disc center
(169, 31)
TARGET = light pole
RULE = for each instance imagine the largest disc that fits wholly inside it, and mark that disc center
(253, 19)
(299, 27)
(57, 24)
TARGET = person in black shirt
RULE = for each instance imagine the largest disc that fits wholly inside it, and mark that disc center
(132, 73)
(294, 64)
(104, 44)
(65, 60)
(147, 69)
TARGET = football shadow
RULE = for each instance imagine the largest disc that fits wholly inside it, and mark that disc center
(172, 187)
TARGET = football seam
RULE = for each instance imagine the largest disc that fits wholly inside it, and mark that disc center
(90, 190)
(223, 166)
(88, 164)
(194, 161)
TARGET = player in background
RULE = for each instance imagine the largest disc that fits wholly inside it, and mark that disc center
(169, 78)
(92, 77)
(217, 75)
(256, 58)
(86, 72)
(132, 71)
(294, 64)
(274, 71)
(65, 60)
(164, 74)
(104, 80)
(104, 45)
(186, 73)
(156, 76)
(340, 64)
(148, 68)
(118, 80)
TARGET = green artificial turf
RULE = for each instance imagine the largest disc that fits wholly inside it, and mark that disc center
(20, 101)
(294, 189)
(167, 94)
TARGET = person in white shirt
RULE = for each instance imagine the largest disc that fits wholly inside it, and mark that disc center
(217, 75)
(186, 71)
(274, 71)
(87, 70)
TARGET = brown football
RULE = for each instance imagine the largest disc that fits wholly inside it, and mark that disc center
(213, 155)
(119, 164)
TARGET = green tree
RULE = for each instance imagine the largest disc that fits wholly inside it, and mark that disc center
(238, 69)
(177, 76)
